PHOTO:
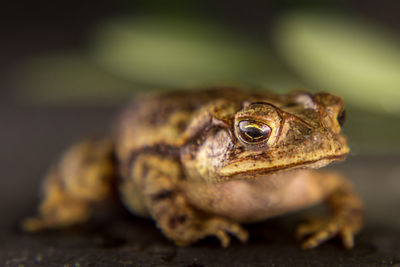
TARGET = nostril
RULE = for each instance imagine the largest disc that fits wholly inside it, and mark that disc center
(341, 118)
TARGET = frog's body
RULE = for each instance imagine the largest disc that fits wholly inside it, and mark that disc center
(201, 162)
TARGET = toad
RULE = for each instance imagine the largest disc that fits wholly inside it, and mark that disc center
(200, 163)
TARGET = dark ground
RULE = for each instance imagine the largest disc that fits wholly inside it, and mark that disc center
(31, 138)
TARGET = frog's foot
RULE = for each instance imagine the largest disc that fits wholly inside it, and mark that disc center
(220, 227)
(217, 227)
(57, 215)
(35, 224)
(318, 230)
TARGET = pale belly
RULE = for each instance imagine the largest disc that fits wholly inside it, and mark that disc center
(256, 199)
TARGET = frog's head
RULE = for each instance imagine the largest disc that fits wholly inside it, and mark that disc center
(299, 130)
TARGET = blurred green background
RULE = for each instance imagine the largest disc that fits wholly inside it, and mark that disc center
(136, 46)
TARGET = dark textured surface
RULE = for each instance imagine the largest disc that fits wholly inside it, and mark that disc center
(31, 138)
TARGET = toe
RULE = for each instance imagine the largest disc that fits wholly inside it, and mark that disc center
(347, 237)
(238, 231)
(323, 233)
(223, 238)
(306, 229)
(32, 224)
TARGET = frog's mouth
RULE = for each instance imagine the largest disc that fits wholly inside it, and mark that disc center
(249, 168)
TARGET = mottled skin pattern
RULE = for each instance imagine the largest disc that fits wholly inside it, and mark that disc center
(201, 162)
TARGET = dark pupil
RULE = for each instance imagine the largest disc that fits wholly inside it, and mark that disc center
(252, 131)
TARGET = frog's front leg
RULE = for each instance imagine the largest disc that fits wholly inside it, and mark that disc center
(160, 180)
(346, 211)
(83, 176)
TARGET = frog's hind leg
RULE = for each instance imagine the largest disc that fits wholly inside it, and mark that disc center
(84, 175)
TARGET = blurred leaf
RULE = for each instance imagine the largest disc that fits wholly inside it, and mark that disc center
(129, 55)
(338, 53)
(181, 52)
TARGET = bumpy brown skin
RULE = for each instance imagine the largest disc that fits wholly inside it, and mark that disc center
(182, 159)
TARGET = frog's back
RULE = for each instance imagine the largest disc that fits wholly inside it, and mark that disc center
(155, 122)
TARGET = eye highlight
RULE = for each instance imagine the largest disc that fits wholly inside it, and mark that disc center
(253, 131)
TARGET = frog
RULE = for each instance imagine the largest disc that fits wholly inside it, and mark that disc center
(204, 162)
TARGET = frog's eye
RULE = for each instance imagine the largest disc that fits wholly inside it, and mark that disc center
(341, 118)
(253, 131)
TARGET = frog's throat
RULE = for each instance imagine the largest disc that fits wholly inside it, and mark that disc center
(229, 173)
